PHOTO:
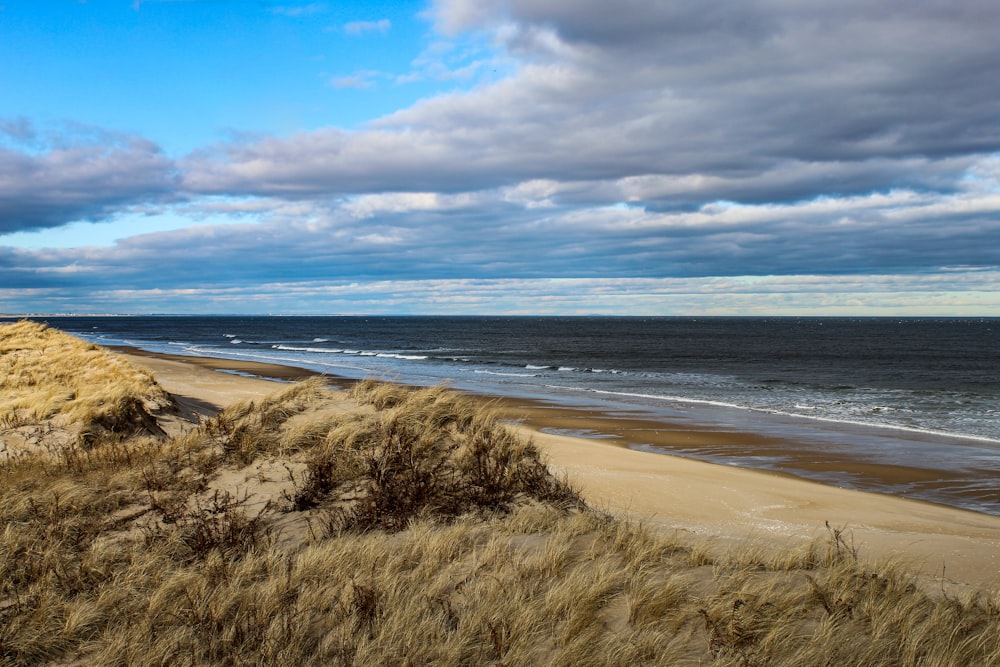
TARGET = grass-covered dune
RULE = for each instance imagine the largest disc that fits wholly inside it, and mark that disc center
(396, 527)
(55, 387)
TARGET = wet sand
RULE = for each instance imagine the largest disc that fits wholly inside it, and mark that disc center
(730, 505)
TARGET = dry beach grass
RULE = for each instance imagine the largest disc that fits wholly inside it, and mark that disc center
(390, 526)
(74, 390)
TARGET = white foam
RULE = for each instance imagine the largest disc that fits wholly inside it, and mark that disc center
(312, 350)
(783, 413)
(512, 375)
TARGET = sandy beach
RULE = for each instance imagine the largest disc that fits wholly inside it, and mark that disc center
(732, 506)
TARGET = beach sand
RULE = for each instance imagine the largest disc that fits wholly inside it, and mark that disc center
(729, 505)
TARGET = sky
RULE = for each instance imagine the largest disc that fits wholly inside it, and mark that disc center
(637, 157)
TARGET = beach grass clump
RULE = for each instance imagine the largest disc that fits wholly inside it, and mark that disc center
(432, 452)
(409, 527)
(49, 380)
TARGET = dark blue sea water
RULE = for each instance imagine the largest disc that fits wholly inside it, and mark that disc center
(911, 392)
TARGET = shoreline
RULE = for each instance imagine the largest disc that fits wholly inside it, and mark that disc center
(800, 452)
(727, 504)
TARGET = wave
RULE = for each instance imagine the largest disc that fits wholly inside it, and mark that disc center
(572, 369)
(513, 375)
(670, 398)
(312, 364)
(312, 350)
(785, 413)
(883, 426)
(359, 353)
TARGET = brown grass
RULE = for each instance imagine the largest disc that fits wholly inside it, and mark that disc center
(53, 383)
(413, 529)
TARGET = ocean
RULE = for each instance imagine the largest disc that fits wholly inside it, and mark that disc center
(919, 393)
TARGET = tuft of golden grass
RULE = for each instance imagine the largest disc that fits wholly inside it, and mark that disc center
(49, 380)
(412, 529)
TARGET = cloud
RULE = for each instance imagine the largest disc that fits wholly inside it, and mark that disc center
(19, 129)
(82, 174)
(884, 294)
(764, 100)
(505, 234)
(361, 27)
(300, 10)
(359, 80)
(793, 142)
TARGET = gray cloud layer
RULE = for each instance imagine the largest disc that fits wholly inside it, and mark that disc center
(84, 174)
(488, 236)
(736, 92)
(636, 139)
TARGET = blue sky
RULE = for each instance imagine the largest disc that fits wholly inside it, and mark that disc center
(500, 156)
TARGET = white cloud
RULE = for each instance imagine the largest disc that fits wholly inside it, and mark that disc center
(382, 26)
(368, 206)
(359, 80)
(300, 10)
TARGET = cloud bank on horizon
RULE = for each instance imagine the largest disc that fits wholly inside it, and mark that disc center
(516, 156)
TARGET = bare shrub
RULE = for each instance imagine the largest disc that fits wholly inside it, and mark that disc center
(435, 453)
